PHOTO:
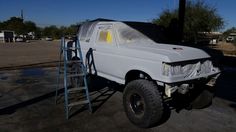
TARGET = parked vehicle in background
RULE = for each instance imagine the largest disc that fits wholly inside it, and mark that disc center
(151, 72)
(19, 39)
(48, 39)
(230, 39)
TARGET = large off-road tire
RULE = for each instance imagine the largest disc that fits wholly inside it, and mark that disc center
(143, 103)
(76, 81)
(202, 100)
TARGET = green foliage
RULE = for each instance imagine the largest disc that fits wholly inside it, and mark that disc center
(16, 24)
(56, 33)
(30, 26)
(51, 31)
(38, 32)
(1, 25)
(166, 17)
(228, 31)
(199, 17)
(20, 27)
(69, 31)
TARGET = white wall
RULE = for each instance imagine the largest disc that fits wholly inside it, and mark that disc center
(1, 35)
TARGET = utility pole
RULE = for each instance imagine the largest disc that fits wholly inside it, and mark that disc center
(182, 4)
(22, 14)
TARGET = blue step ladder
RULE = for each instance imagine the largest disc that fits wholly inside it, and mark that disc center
(65, 71)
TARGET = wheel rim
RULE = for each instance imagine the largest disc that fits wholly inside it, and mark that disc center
(137, 104)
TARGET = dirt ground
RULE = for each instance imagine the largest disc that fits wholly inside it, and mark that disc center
(226, 48)
(35, 53)
(27, 99)
(40, 53)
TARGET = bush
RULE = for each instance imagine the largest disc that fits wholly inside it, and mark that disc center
(199, 17)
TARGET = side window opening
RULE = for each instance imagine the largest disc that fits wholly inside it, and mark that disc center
(105, 35)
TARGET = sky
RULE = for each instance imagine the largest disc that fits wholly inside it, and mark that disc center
(66, 12)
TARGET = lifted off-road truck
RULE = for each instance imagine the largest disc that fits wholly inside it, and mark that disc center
(151, 72)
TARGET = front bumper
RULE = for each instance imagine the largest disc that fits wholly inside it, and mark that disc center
(212, 81)
(184, 86)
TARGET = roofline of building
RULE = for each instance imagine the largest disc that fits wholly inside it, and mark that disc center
(7, 31)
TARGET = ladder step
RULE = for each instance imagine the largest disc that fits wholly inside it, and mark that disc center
(71, 48)
(78, 103)
(76, 89)
(71, 61)
(75, 75)
(62, 72)
(74, 61)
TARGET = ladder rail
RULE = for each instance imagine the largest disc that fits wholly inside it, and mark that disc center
(85, 73)
(65, 78)
(59, 70)
(64, 49)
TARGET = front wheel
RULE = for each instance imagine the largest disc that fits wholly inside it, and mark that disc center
(143, 103)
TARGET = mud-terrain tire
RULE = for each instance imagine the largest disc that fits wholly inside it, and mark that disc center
(203, 100)
(143, 103)
(76, 80)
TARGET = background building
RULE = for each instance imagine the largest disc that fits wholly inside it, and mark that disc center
(7, 36)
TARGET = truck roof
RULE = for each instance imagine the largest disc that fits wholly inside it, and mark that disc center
(150, 30)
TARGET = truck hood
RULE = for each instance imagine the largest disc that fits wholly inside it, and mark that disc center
(166, 52)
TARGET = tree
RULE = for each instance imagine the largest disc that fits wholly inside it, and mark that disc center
(21, 28)
(38, 32)
(72, 29)
(228, 31)
(15, 24)
(68, 31)
(52, 31)
(1, 26)
(30, 26)
(199, 17)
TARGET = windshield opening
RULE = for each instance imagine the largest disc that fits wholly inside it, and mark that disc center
(130, 35)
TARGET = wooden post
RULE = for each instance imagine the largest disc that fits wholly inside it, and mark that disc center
(182, 4)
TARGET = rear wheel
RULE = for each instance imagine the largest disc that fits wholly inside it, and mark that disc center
(143, 103)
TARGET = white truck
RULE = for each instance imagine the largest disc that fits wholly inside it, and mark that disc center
(150, 71)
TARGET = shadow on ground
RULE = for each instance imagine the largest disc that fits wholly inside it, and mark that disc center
(226, 84)
(13, 108)
(29, 66)
(233, 106)
(100, 91)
